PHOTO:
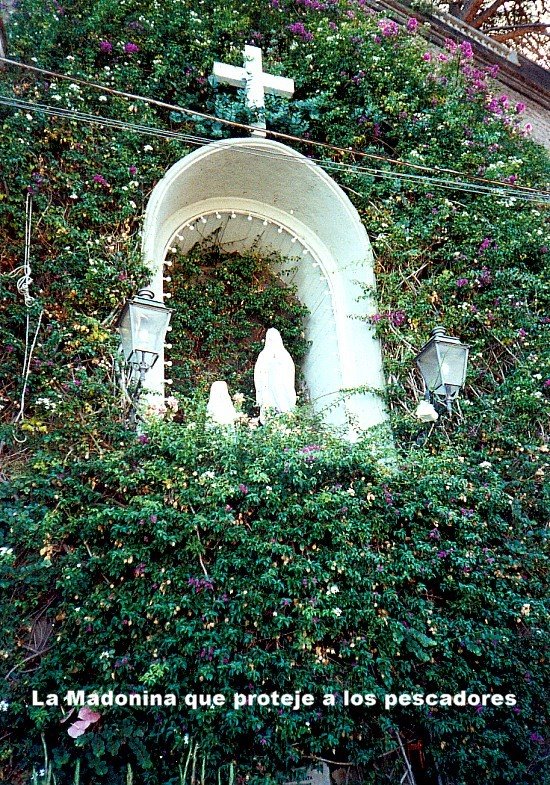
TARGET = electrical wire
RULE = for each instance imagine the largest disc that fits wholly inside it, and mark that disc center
(333, 166)
(249, 128)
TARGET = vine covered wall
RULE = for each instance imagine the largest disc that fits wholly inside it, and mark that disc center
(126, 558)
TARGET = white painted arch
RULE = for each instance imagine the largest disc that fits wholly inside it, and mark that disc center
(262, 194)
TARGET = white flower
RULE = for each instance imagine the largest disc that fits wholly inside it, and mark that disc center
(526, 609)
(147, 148)
(4, 705)
(337, 611)
(103, 98)
(172, 403)
(334, 590)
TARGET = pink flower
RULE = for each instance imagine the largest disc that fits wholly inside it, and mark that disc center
(86, 717)
(388, 27)
(450, 45)
(443, 58)
(100, 180)
(427, 56)
(131, 48)
(412, 24)
(520, 107)
(466, 49)
(106, 47)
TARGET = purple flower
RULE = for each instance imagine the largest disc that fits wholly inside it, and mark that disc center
(388, 28)
(412, 24)
(106, 47)
(100, 180)
(310, 448)
(466, 49)
(243, 489)
(143, 439)
(299, 29)
(442, 554)
(485, 278)
(443, 58)
(131, 48)
(434, 534)
(480, 709)
(263, 741)
(153, 518)
(450, 45)
(536, 737)
(522, 333)
(427, 56)
(132, 170)
(520, 107)
(546, 383)
(397, 318)
(493, 71)
(460, 282)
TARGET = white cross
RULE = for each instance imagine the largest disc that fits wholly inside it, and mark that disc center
(254, 81)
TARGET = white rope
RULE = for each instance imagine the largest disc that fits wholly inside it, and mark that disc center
(23, 285)
(24, 271)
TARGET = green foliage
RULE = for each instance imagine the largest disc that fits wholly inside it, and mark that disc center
(193, 560)
(268, 561)
(223, 304)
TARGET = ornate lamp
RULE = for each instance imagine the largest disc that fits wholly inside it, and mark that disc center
(442, 362)
(142, 325)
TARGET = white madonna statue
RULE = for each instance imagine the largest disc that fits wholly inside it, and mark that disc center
(220, 407)
(274, 377)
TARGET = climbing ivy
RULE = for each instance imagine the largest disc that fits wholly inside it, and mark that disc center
(182, 558)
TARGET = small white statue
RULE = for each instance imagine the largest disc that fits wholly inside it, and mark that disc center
(220, 407)
(274, 377)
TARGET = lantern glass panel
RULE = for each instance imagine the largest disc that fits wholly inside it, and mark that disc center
(453, 358)
(428, 363)
(142, 328)
(125, 330)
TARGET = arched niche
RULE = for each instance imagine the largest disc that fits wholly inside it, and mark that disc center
(259, 193)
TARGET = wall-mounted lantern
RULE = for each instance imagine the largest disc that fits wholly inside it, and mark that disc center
(442, 362)
(142, 326)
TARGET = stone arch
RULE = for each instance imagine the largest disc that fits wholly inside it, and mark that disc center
(263, 194)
